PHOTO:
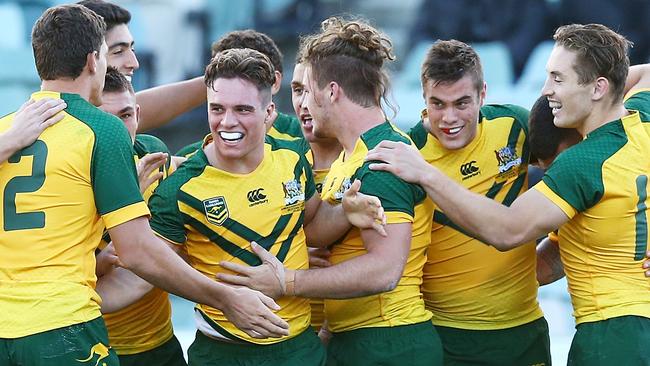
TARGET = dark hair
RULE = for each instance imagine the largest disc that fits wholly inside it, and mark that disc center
(544, 137)
(113, 14)
(600, 52)
(252, 39)
(116, 82)
(243, 63)
(351, 53)
(63, 37)
(449, 61)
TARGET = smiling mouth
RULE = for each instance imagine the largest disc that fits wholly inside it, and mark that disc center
(231, 136)
(451, 131)
(306, 121)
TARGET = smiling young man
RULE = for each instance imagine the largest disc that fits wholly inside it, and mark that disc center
(484, 148)
(595, 192)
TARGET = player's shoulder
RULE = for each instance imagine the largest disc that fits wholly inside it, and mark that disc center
(190, 149)
(384, 132)
(103, 125)
(299, 146)
(419, 135)
(147, 144)
(518, 114)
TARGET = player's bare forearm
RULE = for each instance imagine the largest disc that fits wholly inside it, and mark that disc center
(120, 288)
(378, 270)
(8, 147)
(549, 265)
(638, 77)
(161, 104)
(150, 258)
(324, 223)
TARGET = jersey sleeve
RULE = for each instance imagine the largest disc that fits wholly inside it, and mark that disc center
(310, 184)
(166, 218)
(571, 186)
(113, 174)
(638, 100)
(397, 197)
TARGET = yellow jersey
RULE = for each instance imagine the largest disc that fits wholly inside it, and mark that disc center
(58, 195)
(215, 215)
(402, 202)
(468, 284)
(601, 184)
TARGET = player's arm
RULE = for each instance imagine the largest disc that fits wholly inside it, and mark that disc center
(549, 264)
(501, 226)
(150, 258)
(29, 122)
(638, 77)
(161, 104)
(325, 223)
(378, 270)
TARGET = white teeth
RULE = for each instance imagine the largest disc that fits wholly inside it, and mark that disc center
(454, 130)
(231, 136)
(128, 77)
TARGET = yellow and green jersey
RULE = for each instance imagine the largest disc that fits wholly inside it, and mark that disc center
(216, 214)
(601, 184)
(58, 195)
(284, 127)
(403, 203)
(468, 284)
(145, 324)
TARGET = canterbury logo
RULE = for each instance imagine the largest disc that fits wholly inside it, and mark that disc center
(256, 195)
(469, 168)
(100, 351)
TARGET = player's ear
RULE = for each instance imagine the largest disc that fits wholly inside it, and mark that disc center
(91, 61)
(137, 113)
(601, 87)
(278, 82)
(270, 115)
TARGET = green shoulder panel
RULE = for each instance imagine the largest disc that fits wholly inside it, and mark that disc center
(299, 146)
(147, 144)
(166, 218)
(189, 149)
(576, 175)
(419, 135)
(112, 162)
(394, 193)
(287, 124)
(639, 102)
(520, 114)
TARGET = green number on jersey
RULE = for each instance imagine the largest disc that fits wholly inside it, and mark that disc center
(641, 218)
(25, 184)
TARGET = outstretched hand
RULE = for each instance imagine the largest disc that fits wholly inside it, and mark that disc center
(33, 118)
(403, 160)
(364, 211)
(149, 169)
(268, 278)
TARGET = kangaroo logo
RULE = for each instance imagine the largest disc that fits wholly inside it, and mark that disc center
(216, 210)
(100, 350)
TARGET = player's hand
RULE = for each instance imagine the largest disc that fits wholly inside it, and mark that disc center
(363, 211)
(324, 334)
(33, 118)
(646, 264)
(398, 158)
(106, 260)
(149, 169)
(319, 257)
(250, 311)
(268, 278)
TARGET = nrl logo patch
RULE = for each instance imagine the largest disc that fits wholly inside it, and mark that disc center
(216, 210)
(507, 158)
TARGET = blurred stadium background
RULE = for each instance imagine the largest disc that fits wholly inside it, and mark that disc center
(173, 37)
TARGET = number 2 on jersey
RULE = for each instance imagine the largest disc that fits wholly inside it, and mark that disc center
(25, 184)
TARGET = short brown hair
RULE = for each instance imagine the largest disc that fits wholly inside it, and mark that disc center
(243, 63)
(351, 53)
(116, 82)
(113, 14)
(63, 37)
(601, 52)
(252, 39)
(449, 61)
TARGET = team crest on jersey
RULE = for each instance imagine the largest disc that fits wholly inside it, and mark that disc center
(507, 158)
(345, 185)
(216, 210)
(294, 197)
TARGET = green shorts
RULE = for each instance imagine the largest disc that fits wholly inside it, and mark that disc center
(414, 345)
(304, 349)
(526, 344)
(621, 341)
(169, 353)
(78, 344)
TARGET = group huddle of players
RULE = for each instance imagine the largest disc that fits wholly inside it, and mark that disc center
(328, 237)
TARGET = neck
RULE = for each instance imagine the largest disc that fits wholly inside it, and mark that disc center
(601, 115)
(243, 165)
(76, 86)
(354, 121)
(325, 153)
